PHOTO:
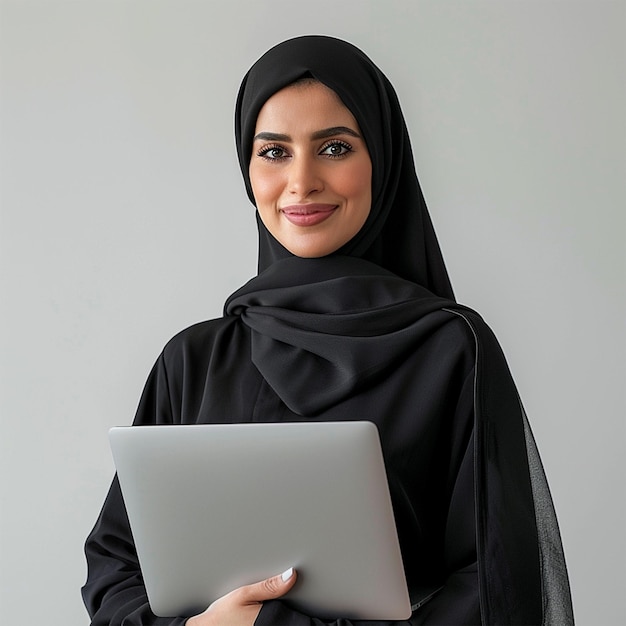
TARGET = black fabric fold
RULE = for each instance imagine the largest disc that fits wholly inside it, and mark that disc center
(316, 343)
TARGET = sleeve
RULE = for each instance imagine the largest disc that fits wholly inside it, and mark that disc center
(114, 593)
(457, 602)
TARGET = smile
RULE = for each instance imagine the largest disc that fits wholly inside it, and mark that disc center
(308, 214)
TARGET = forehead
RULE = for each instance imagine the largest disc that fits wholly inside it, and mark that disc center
(304, 107)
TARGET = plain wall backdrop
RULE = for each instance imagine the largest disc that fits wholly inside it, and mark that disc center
(124, 220)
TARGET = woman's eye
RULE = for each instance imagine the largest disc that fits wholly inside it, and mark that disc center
(336, 149)
(273, 153)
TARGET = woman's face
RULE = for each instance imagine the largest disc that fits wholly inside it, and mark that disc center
(310, 170)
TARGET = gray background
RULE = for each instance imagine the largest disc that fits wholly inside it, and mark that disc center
(124, 220)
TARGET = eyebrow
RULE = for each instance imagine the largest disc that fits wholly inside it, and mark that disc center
(318, 134)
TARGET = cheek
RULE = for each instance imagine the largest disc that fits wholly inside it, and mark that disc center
(266, 186)
(356, 183)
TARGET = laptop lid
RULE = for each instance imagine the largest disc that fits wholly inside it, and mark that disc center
(216, 506)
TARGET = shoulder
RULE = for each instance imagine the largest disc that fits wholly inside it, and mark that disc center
(199, 338)
(470, 329)
(470, 323)
(493, 374)
(454, 327)
(448, 342)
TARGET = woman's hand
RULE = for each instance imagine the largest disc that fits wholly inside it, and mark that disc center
(242, 606)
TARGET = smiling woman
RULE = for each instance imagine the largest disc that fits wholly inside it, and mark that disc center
(352, 316)
(310, 170)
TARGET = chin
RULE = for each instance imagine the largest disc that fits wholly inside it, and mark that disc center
(310, 253)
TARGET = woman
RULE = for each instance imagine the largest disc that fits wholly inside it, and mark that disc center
(352, 313)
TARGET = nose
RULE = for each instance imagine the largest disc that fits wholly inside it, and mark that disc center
(304, 176)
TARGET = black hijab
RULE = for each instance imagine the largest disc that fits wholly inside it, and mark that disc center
(398, 234)
(323, 330)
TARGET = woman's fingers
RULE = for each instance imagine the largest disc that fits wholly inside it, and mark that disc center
(241, 606)
(268, 589)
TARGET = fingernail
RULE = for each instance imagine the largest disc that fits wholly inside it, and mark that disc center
(287, 574)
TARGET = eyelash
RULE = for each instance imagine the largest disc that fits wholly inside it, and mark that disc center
(263, 152)
(337, 142)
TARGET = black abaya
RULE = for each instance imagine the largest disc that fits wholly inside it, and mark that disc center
(424, 418)
(371, 332)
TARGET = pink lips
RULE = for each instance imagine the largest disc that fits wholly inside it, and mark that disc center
(308, 214)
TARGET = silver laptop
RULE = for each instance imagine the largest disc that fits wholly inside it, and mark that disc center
(214, 507)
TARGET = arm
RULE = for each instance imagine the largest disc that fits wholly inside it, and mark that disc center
(114, 593)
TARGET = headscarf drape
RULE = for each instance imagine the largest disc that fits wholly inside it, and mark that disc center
(345, 321)
(398, 234)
